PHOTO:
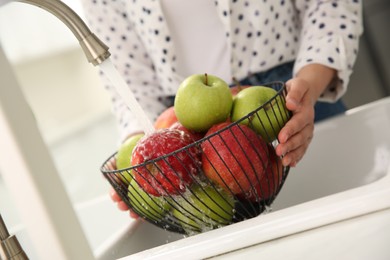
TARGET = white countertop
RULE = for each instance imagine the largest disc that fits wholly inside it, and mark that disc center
(364, 237)
(337, 222)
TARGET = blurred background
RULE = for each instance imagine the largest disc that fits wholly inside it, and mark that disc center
(73, 109)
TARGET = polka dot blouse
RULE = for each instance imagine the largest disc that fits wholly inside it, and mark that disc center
(260, 34)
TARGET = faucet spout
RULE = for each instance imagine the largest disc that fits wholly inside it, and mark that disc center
(95, 50)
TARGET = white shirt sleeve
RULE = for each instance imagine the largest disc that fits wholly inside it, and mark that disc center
(111, 24)
(330, 36)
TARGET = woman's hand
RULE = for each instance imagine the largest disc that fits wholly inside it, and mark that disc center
(111, 165)
(121, 204)
(303, 92)
(296, 135)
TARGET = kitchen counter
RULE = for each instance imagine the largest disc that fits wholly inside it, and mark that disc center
(334, 205)
(364, 237)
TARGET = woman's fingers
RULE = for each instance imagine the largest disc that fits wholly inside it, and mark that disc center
(111, 165)
(122, 206)
(296, 91)
(133, 214)
(297, 123)
(118, 200)
(293, 150)
(114, 195)
(296, 135)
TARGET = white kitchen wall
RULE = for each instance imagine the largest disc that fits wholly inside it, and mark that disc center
(27, 32)
(73, 113)
(64, 90)
(66, 96)
(371, 78)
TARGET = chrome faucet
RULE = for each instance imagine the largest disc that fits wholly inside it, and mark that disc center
(10, 248)
(95, 50)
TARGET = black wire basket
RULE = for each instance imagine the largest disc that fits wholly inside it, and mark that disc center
(227, 176)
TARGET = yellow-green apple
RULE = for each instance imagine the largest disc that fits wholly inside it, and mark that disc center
(204, 207)
(266, 186)
(201, 101)
(149, 206)
(123, 157)
(233, 157)
(166, 118)
(185, 220)
(162, 169)
(267, 121)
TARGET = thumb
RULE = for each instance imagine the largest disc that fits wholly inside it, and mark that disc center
(296, 90)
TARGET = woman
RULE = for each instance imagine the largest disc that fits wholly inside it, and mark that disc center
(312, 45)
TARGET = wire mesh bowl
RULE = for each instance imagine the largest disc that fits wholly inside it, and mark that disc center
(229, 175)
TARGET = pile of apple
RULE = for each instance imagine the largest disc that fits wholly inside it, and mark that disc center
(210, 150)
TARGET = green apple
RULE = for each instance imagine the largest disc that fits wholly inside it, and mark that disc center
(123, 157)
(201, 101)
(267, 121)
(187, 223)
(204, 208)
(154, 208)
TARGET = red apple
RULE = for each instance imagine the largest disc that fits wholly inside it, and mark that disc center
(237, 88)
(166, 118)
(268, 184)
(195, 135)
(170, 174)
(234, 157)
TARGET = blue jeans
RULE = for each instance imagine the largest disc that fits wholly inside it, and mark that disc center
(283, 73)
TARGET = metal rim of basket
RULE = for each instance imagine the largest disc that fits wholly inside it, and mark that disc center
(168, 224)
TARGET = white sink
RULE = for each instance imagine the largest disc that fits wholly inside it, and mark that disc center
(345, 174)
